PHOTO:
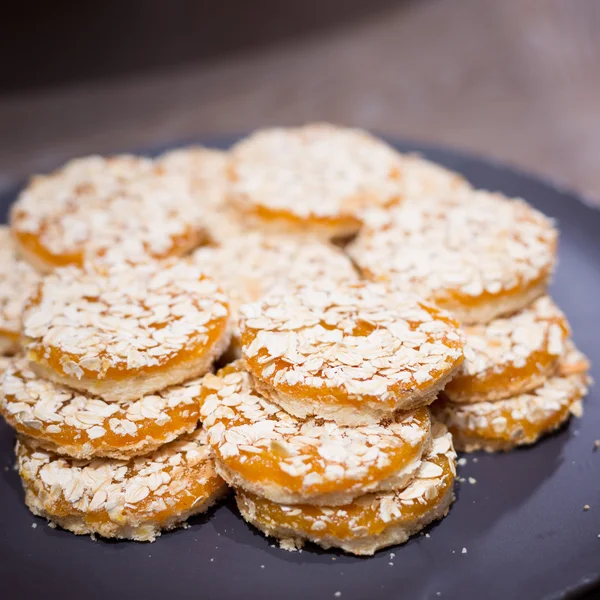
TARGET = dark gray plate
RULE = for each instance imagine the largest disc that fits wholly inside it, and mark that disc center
(523, 524)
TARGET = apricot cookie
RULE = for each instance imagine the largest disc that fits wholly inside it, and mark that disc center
(250, 266)
(61, 420)
(264, 450)
(109, 209)
(117, 499)
(510, 355)
(18, 280)
(370, 522)
(479, 255)
(314, 179)
(353, 353)
(522, 419)
(125, 331)
(206, 170)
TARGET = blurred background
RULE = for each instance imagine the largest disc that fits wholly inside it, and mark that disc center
(518, 80)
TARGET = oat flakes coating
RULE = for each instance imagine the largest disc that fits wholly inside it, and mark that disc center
(259, 447)
(510, 355)
(353, 353)
(251, 266)
(372, 521)
(206, 170)
(477, 254)
(109, 209)
(134, 499)
(18, 280)
(61, 420)
(125, 331)
(316, 178)
(522, 419)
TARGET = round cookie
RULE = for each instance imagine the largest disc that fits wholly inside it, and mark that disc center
(17, 281)
(510, 355)
(523, 419)
(125, 331)
(264, 450)
(206, 170)
(110, 209)
(116, 499)
(353, 353)
(314, 179)
(61, 420)
(249, 267)
(370, 522)
(477, 254)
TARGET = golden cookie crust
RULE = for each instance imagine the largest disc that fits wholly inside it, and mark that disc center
(477, 254)
(314, 179)
(372, 521)
(126, 331)
(60, 420)
(264, 450)
(510, 355)
(110, 209)
(523, 419)
(352, 353)
(117, 499)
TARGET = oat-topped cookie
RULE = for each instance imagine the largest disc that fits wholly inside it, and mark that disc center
(510, 355)
(353, 353)
(264, 450)
(477, 254)
(370, 522)
(125, 331)
(18, 280)
(314, 179)
(59, 419)
(521, 419)
(113, 498)
(206, 170)
(110, 209)
(250, 266)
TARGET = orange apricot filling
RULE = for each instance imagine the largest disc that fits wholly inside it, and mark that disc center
(472, 388)
(33, 244)
(265, 446)
(521, 419)
(365, 516)
(59, 361)
(338, 395)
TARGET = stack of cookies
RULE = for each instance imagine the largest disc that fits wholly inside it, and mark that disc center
(364, 307)
(105, 397)
(488, 259)
(322, 426)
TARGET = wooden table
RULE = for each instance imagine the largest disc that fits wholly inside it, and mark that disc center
(518, 80)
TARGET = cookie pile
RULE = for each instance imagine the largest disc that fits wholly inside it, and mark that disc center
(321, 427)
(104, 397)
(488, 259)
(333, 312)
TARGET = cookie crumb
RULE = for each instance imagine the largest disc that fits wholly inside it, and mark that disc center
(338, 594)
(472, 480)
(596, 445)
(262, 566)
(586, 507)
(33, 525)
(464, 551)
(475, 460)
(462, 461)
